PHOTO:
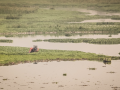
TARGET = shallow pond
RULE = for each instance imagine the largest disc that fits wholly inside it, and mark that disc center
(111, 50)
(63, 75)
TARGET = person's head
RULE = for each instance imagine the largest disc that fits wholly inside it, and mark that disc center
(34, 46)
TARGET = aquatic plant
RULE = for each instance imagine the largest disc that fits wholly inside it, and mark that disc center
(5, 79)
(68, 35)
(38, 40)
(116, 17)
(9, 35)
(87, 40)
(92, 68)
(64, 74)
(6, 40)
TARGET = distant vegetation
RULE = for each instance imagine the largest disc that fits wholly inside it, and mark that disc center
(52, 16)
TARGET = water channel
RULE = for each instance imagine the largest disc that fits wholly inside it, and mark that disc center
(97, 20)
(111, 50)
(94, 12)
(63, 75)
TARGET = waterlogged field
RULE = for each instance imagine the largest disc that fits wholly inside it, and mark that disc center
(93, 27)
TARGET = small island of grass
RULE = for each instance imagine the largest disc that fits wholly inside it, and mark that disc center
(13, 55)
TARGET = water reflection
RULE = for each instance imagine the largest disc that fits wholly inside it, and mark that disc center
(66, 75)
(106, 62)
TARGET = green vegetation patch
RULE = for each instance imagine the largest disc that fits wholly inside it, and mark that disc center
(6, 41)
(87, 40)
(13, 55)
(116, 17)
(64, 74)
(38, 40)
(92, 68)
(52, 17)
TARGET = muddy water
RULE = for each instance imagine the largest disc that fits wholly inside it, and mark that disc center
(93, 12)
(97, 20)
(111, 50)
(64, 75)
(90, 12)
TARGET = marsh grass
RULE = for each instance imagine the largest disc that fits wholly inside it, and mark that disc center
(6, 41)
(92, 68)
(47, 17)
(12, 17)
(87, 40)
(111, 72)
(68, 35)
(5, 79)
(116, 17)
(9, 35)
(64, 74)
(16, 9)
(38, 40)
(14, 55)
(105, 23)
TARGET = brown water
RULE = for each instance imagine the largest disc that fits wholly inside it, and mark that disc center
(97, 20)
(90, 12)
(94, 12)
(111, 50)
(64, 75)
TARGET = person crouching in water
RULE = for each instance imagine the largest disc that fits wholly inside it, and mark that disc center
(34, 49)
